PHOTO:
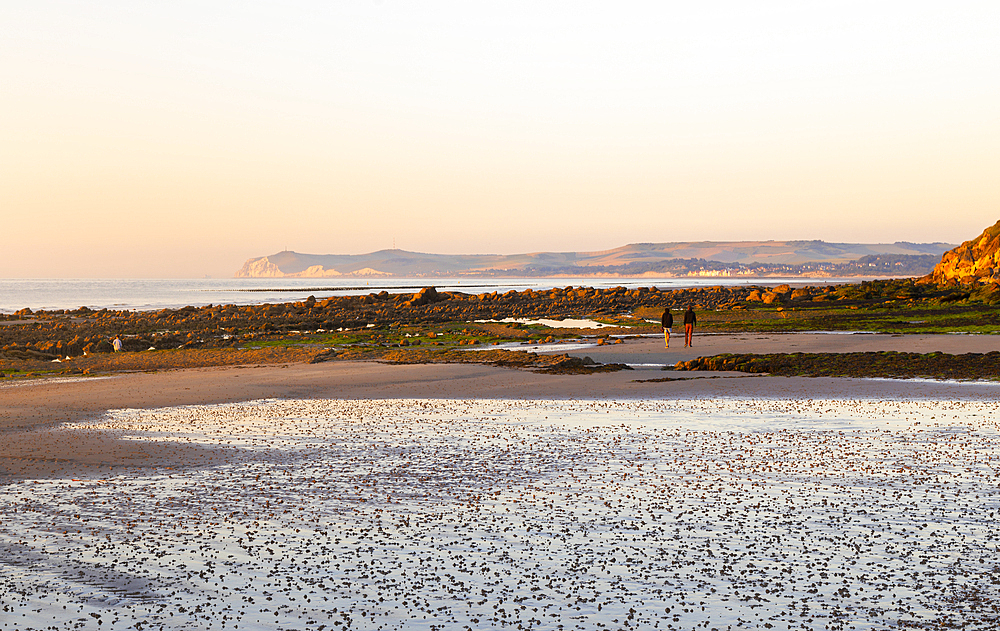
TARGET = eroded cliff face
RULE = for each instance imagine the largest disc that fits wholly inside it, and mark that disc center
(259, 268)
(972, 263)
(316, 271)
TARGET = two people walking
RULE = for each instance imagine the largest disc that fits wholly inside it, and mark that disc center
(667, 321)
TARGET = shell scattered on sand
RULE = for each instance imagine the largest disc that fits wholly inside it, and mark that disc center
(701, 513)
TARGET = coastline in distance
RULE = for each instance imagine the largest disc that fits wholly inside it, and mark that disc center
(702, 258)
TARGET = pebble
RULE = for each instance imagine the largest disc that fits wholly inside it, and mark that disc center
(706, 513)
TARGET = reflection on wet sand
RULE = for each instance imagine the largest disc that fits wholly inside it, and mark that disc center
(719, 513)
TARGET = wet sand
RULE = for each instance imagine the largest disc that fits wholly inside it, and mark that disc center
(787, 512)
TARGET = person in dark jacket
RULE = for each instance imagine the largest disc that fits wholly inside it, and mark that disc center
(667, 321)
(689, 321)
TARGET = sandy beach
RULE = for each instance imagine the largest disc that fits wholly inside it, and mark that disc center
(27, 404)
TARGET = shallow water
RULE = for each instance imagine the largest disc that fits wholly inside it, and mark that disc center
(717, 514)
(562, 346)
(566, 323)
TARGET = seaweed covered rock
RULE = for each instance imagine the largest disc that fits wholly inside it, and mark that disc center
(885, 364)
(426, 296)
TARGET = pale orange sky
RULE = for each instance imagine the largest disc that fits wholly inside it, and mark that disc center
(179, 139)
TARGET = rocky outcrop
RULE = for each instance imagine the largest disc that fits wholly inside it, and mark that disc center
(426, 296)
(975, 262)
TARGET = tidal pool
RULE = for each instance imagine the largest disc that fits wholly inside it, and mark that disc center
(450, 514)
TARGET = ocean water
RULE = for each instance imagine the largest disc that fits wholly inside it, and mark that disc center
(152, 294)
(455, 514)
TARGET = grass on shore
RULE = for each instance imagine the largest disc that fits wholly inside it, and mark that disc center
(982, 319)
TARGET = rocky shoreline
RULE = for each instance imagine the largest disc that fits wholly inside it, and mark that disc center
(73, 332)
(431, 326)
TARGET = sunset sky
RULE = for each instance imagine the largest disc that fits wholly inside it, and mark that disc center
(178, 139)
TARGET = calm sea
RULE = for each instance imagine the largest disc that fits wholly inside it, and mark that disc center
(147, 294)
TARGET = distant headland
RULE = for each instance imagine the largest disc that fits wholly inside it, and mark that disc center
(692, 258)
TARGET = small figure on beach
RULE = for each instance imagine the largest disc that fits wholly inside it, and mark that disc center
(689, 321)
(116, 344)
(667, 321)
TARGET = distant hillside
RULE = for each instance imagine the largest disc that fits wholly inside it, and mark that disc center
(974, 262)
(664, 259)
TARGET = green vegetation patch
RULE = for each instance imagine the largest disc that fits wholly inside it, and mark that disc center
(447, 335)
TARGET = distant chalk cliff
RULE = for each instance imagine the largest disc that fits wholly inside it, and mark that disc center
(288, 264)
(259, 268)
